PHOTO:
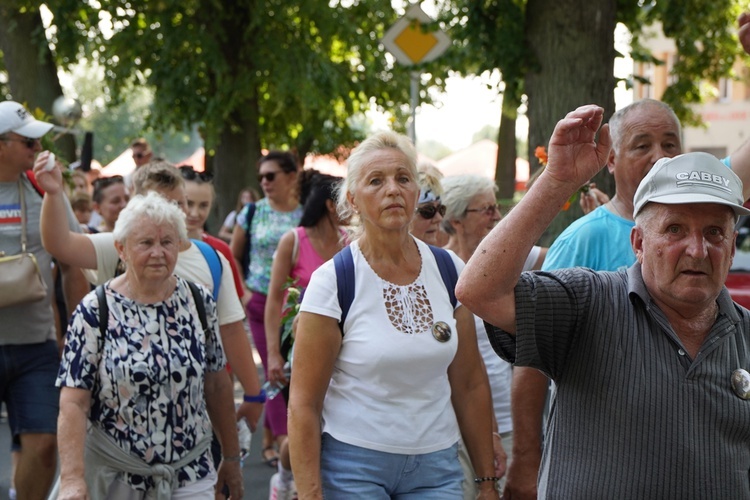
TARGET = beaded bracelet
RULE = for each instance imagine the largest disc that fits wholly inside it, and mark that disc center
(486, 478)
(238, 458)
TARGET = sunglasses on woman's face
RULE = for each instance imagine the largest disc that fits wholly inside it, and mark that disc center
(270, 176)
(190, 174)
(429, 211)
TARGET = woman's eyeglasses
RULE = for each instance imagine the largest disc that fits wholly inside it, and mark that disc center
(26, 141)
(489, 210)
(270, 176)
(429, 211)
(190, 174)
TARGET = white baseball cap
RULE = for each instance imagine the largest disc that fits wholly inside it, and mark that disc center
(690, 178)
(15, 118)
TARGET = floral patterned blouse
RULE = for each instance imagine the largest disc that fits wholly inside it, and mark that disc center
(267, 228)
(147, 375)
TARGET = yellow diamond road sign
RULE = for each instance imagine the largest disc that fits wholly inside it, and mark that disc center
(410, 44)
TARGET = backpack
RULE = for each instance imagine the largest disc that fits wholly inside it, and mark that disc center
(104, 308)
(245, 262)
(344, 264)
(214, 264)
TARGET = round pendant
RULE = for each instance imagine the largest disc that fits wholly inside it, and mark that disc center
(441, 331)
(741, 383)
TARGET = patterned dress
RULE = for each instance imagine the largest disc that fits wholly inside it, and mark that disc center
(147, 375)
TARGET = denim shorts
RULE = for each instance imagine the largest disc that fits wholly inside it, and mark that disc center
(349, 471)
(27, 386)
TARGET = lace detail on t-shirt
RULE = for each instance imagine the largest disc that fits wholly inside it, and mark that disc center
(408, 307)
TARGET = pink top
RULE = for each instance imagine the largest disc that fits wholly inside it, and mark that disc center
(308, 259)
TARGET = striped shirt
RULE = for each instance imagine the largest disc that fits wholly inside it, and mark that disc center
(634, 415)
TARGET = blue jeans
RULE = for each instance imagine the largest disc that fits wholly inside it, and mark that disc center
(349, 471)
(27, 385)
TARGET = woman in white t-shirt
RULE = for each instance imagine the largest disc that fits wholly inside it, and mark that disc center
(386, 397)
(471, 213)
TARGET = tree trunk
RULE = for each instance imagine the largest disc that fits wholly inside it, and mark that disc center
(505, 171)
(234, 161)
(32, 74)
(573, 43)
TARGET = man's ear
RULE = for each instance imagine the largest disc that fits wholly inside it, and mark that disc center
(636, 241)
(611, 161)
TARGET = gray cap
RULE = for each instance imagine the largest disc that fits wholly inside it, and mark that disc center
(690, 178)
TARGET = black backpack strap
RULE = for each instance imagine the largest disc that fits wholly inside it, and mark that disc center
(447, 271)
(101, 296)
(199, 304)
(344, 264)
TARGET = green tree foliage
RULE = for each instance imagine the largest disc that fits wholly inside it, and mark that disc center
(707, 47)
(30, 74)
(490, 35)
(252, 73)
(560, 54)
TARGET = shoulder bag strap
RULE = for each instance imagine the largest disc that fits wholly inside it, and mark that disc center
(22, 200)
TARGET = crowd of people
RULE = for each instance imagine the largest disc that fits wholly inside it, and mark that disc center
(414, 333)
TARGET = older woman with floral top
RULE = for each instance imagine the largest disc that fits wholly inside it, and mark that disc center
(147, 381)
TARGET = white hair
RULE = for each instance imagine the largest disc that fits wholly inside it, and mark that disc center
(151, 206)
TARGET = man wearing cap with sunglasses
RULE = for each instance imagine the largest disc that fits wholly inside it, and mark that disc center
(28, 338)
(644, 359)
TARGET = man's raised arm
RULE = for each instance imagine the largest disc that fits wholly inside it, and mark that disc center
(486, 285)
(63, 244)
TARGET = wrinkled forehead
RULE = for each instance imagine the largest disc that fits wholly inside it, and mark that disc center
(649, 122)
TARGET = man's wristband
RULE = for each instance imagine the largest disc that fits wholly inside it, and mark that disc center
(488, 478)
(260, 398)
(238, 458)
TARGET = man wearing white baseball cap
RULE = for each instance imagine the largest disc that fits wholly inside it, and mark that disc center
(28, 338)
(650, 362)
(690, 178)
(16, 119)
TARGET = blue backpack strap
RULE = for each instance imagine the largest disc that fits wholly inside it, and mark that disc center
(447, 271)
(199, 304)
(344, 264)
(214, 263)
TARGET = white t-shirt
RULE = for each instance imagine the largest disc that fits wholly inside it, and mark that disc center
(500, 371)
(389, 390)
(191, 265)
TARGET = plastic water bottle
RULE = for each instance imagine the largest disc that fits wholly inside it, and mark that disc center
(245, 436)
(274, 388)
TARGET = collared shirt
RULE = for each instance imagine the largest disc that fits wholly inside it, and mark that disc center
(634, 416)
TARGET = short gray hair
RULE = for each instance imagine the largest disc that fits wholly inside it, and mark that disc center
(458, 190)
(151, 206)
(616, 120)
(358, 160)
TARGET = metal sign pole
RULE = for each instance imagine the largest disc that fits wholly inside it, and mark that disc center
(414, 103)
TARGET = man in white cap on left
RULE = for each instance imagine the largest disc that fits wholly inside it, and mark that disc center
(28, 337)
